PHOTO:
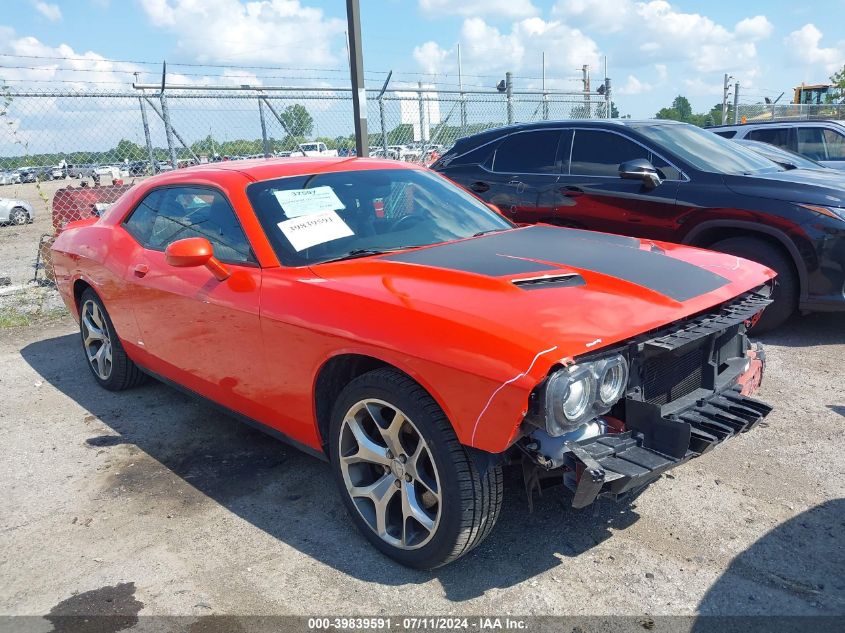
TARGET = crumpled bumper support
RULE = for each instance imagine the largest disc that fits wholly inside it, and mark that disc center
(612, 466)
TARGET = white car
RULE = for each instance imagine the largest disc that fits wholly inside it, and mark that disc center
(17, 212)
(315, 149)
(10, 178)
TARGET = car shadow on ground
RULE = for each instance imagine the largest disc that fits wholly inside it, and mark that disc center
(796, 569)
(292, 496)
(820, 328)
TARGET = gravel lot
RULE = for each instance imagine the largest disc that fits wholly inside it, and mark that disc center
(149, 502)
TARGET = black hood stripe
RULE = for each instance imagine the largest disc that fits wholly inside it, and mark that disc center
(498, 254)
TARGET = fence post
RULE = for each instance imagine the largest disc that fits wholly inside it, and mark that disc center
(381, 113)
(509, 95)
(736, 103)
(264, 139)
(608, 102)
(462, 95)
(168, 130)
(422, 112)
(545, 94)
(149, 142)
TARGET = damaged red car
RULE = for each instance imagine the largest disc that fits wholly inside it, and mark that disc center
(377, 316)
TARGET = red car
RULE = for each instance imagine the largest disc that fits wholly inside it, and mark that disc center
(378, 316)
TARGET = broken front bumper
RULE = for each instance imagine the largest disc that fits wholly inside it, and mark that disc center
(613, 466)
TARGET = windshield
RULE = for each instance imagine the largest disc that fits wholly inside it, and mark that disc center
(706, 151)
(319, 217)
(779, 155)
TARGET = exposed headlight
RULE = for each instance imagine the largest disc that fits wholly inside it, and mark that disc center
(612, 379)
(578, 393)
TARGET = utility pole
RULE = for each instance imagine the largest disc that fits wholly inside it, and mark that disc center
(585, 70)
(463, 96)
(509, 95)
(545, 94)
(736, 103)
(356, 71)
(726, 89)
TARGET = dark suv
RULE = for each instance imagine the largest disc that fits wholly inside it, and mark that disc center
(668, 181)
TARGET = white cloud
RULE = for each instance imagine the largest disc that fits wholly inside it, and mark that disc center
(634, 86)
(609, 17)
(486, 49)
(49, 10)
(471, 8)
(281, 32)
(662, 71)
(756, 28)
(804, 47)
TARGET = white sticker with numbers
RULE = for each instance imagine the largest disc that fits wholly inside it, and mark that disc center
(298, 202)
(314, 228)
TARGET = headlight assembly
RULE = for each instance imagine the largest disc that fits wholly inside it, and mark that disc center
(837, 213)
(578, 393)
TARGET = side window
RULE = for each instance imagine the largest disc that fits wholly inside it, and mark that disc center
(811, 142)
(778, 136)
(170, 214)
(835, 144)
(726, 133)
(596, 153)
(529, 153)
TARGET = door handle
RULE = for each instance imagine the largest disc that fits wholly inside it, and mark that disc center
(572, 192)
(479, 186)
(141, 270)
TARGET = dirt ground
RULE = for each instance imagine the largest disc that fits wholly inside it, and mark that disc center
(149, 502)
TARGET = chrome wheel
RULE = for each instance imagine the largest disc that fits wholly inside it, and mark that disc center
(18, 217)
(390, 474)
(96, 339)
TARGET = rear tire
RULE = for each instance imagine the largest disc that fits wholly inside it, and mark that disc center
(459, 504)
(18, 216)
(104, 354)
(785, 288)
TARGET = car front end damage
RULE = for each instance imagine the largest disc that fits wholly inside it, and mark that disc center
(610, 423)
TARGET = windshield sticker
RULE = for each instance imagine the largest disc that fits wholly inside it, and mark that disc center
(317, 228)
(297, 202)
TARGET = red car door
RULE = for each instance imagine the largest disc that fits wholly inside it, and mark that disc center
(195, 330)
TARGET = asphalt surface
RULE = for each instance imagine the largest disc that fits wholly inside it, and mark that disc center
(147, 502)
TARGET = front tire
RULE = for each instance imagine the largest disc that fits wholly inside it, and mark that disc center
(408, 484)
(106, 358)
(786, 288)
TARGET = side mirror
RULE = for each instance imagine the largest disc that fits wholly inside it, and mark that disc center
(195, 251)
(640, 169)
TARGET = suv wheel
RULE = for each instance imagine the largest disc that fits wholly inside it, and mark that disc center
(785, 289)
(409, 485)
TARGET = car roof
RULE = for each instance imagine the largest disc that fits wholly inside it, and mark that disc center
(270, 168)
(781, 123)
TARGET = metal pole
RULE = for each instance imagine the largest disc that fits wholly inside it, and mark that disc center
(545, 94)
(356, 71)
(725, 88)
(585, 71)
(606, 91)
(149, 141)
(422, 112)
(264, 139)
(463, 96)
(608, 97)
(509, 95)
(172, 129)
(736, 103)
(168, 129)
(381, 113)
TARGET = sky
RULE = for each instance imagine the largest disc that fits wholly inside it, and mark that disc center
(655, 49)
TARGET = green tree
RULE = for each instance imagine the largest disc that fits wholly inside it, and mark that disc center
(298, 121)
(127, 149)
(838, 81)
(682, 105)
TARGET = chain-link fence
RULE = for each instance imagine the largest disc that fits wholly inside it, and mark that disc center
(756, 112)
(64, 154)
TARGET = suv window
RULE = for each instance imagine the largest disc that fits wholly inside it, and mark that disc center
(727, 133)
(529, 153)
(778, 136)
(174, 213)
(597, 153)
(811, 142)
(834, 144)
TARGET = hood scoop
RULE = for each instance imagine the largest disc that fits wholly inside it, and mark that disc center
(567, 280)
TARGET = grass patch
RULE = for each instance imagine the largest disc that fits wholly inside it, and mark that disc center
(9, 319)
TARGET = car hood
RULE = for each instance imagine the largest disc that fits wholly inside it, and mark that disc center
(809, 186)
(541, 285)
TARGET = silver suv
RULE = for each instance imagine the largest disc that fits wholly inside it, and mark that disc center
(822, 141)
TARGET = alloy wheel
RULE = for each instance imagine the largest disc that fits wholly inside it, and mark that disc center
(96, 339)
(390, 474)
(19, 217)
